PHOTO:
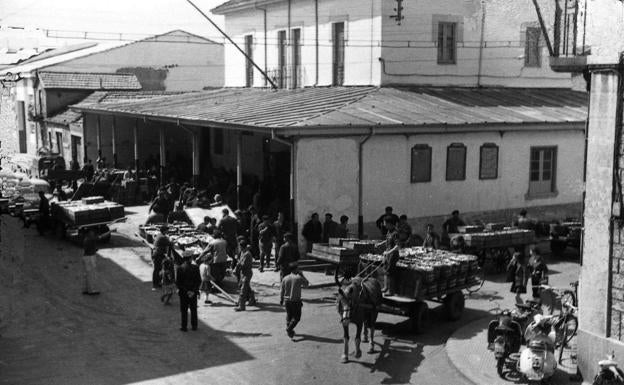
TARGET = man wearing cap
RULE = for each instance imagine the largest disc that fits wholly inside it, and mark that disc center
(290, 297)
(243, 269)
(162, 249)
(287, 254)
(391, 255)
(229, 226)
(188, 281)
(330, 228)
(161, 206)
(216, 255)
(265, 235)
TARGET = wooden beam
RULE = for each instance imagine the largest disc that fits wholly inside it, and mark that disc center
(163, 153)
(135, 132)
(114, 138)
(239, 168)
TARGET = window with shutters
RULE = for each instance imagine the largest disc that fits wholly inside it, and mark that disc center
(543, 171)
(338, 49)
(421, 163)
(59, 143)
(447, 43)
(532, 47)
(488, 161)
(218, 141)
(248, 65)
(296, 58)
(281, 59)
(456, 162)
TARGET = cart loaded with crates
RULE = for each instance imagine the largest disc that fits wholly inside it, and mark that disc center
(422, 275)
(425, 275)
(73, 218)
(565, 234)
(493, 243)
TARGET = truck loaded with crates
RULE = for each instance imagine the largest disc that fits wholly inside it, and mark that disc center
(73, 218)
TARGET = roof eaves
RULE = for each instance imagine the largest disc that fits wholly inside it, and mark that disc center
(234, 6)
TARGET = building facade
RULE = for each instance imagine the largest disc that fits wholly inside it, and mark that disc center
(337, 42)
(43, 87)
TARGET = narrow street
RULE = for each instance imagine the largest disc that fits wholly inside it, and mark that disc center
(52, 334)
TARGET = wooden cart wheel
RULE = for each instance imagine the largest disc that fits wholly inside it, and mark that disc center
(418, 317)
(454, 305)
(344, 273)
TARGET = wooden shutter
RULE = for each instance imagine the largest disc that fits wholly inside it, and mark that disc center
(456, 162)
(421, 163)
(488, 161)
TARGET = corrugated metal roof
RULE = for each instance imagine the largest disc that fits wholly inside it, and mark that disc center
(109, 97)
(89, 81)
(65, 117)
(233, 5)
(361, 106)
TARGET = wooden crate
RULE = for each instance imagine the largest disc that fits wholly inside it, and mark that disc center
(341, 241)
(334, 250)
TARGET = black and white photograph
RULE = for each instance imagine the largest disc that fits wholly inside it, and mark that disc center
(260, 192)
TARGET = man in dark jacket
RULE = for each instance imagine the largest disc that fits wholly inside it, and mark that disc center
(287, 254)
(188, 281)
(229, 227)
(330, 228)
(265, 236)
(243, 269)
(312, 231)
(44, 213)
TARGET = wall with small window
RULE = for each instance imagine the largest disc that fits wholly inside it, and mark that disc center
(440, 43)
(428, 175)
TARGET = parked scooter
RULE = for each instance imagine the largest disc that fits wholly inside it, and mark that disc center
(524, 314)
(505, 339)
(609, 373)
(537, 362)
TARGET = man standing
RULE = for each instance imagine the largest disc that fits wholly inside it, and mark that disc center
(330, 228)
(287, 254)
(244, 270)
(161, 206)
(162, 249)
(280, 228)
(229, 226)
(312, 231)
(188, 281)
(451, 225)
(404, 229)
(432, 240)
(265, 234)
(343, 229)
(380, 222)
(391, 255)
(290, 296)
(217, 248)
(203, 227)
(254, 222)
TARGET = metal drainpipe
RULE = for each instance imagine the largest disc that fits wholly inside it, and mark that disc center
(291, 145)
(289, 45)
(481, 43)
(316, 26)
(360, 184)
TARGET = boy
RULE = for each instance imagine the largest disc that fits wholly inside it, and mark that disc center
(290, 297)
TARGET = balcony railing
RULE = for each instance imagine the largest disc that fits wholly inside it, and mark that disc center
(568, 52)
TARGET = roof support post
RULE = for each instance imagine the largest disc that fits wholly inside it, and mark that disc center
(98, 137)
(163, 153)
(361, 184)
(195, 141)
(239, 168)
(114, 142)
(135, 132)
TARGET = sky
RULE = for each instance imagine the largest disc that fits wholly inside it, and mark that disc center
(133, 19)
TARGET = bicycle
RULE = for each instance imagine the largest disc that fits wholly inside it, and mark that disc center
(565, 327)
(559, 295)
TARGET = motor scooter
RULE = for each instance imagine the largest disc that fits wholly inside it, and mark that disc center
(505, 339)
(523, 314)
(537, 362)
(609, 373)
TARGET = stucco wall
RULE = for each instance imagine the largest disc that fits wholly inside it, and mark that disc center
(362, 24)
(326, 178)
(605, 26)
(8, 123)
(387, 173)
(410, 49)
(191, 63)
(332, 184)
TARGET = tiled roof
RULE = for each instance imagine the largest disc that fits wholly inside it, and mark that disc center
(89, 81)
(360, 107)
(108, 97)
(65, 117)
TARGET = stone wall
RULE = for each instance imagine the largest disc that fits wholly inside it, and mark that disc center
(8, 124)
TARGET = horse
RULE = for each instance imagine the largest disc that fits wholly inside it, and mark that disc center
(357, 303)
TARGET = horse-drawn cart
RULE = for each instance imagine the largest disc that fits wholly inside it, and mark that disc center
(425, 275)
